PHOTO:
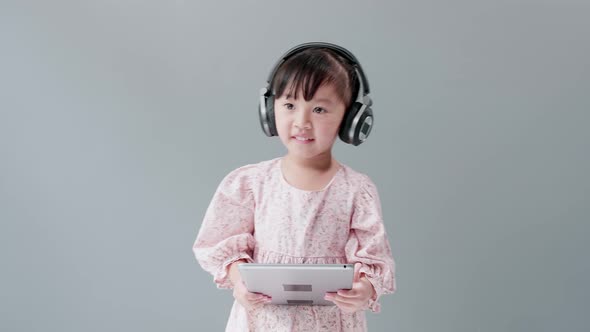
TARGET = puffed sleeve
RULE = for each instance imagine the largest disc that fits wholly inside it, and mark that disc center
(226, 233)
(368, 243)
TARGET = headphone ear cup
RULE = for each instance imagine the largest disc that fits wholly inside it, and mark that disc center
(270, 112)
(355, 133)
(266, 114)
(364, 126)
(344, 131)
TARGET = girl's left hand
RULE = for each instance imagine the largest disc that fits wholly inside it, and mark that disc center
(354, 299)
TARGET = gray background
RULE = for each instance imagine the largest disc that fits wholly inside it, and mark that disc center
(119, 118)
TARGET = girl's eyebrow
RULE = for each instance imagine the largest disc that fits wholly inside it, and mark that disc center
(320, 100)
(324, 100)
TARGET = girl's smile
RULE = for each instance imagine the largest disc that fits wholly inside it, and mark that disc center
(308, 128)
(302, 139)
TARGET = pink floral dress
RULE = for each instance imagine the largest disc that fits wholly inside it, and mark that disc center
(256, 215)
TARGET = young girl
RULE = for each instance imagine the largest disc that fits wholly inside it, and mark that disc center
(305, 207)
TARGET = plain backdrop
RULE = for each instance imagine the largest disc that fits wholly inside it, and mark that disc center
(118, 119)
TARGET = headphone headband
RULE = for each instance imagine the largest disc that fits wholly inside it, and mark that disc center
(338, 49)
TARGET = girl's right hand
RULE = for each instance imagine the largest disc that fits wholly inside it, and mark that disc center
(247, 299)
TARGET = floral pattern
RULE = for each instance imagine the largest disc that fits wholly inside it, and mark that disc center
(256, 215)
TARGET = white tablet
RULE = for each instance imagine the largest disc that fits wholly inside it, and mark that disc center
(297, 284)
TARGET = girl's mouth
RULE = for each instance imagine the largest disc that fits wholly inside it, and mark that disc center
(302, 140)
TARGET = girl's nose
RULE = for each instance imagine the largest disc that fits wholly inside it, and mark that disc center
(302, 120)
(303, 126)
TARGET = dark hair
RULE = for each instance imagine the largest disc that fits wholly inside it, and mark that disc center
(308, 70)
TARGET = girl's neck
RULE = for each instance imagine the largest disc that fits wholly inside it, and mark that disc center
(320, 163)
(309, 174)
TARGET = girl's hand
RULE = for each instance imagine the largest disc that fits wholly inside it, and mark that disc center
(355, 299)
(247, 299)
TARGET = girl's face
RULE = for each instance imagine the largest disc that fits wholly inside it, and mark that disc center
(309, 128)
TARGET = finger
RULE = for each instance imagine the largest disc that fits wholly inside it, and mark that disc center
(254, 296)
(259, 303)
(263, 295)
(357, 272)
(256, 300)
(256, 304)
(266, 300)
(329, 296)
(341, 299)
(347, 293)
(346, 300)
(261, 300)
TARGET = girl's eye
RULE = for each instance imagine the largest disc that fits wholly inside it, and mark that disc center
(319, 110)
(289, 106)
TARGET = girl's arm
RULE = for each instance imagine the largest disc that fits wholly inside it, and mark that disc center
(368, 243)
(234, 273)
(226, 233)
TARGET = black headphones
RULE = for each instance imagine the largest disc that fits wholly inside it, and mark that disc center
(358, 119)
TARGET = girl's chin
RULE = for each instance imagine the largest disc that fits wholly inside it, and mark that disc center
(306, 151)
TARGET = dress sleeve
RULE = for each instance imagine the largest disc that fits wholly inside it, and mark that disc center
(368, 243)
(226, 233)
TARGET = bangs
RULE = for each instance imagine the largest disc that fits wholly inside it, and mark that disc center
(307, 71)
